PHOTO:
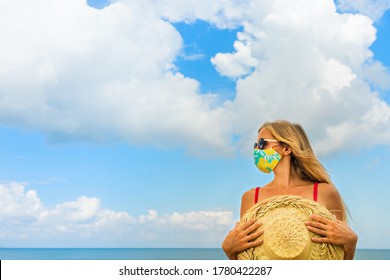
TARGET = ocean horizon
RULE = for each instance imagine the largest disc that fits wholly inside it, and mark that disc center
(144, 254)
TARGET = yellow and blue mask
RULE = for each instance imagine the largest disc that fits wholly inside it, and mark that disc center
(266, 160)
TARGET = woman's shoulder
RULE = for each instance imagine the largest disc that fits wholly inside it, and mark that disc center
(329, 196)
(247, 200)
(249, 194)
(327, 189)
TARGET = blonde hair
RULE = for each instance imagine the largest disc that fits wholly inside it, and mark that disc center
(303, 160)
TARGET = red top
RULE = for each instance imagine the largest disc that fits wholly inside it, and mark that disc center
(315, 192)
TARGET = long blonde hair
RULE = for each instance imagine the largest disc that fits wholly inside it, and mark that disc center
(303, 160)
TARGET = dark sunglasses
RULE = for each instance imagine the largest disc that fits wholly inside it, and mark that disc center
(260, 144)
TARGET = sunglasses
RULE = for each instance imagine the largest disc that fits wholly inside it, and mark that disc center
(260, 144)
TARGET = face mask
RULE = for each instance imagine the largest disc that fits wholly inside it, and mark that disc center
(266, 160)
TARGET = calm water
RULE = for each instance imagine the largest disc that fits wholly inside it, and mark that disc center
(144, 254)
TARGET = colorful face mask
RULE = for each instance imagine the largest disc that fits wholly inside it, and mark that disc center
(266, 160)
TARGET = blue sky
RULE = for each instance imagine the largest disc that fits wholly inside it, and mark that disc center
(128, 125)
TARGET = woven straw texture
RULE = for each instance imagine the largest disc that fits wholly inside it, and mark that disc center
(285, 235)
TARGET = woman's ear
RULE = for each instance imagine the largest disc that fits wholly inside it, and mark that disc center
(287, 150)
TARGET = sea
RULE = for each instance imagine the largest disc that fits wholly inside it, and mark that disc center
(144, 254)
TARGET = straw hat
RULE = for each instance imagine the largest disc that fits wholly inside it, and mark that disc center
(285, 235)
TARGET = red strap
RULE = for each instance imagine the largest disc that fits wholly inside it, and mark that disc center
(257, 194)
(315, 191)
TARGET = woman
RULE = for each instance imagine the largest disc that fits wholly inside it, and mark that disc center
(297, 171)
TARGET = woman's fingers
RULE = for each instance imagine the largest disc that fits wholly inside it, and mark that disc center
(321, 240)
(249, 224)
(320, 226)
(253, 240)
(242, 237)
(253, 244)
(320, 219)
(251, 231)
(254, 225)
(314, 228)
(336, 232)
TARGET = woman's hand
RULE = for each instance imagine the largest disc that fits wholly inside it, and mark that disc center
(242, 237)
(335, 232)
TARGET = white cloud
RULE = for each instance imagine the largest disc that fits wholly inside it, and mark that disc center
(151, 217)
(236, 64)
(372, 8)
(83, 209)
(221, 13)
(72, 71)
(25, 220)
(316, 69)
(75, 72)
(376, 73)
(15, 202)
(201, 220)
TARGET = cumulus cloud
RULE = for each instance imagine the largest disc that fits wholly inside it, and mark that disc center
(221, 13)
(24, 218)
(16, 202)
(237, 64)
(372, 8)
(313, 68)
(74, 72)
